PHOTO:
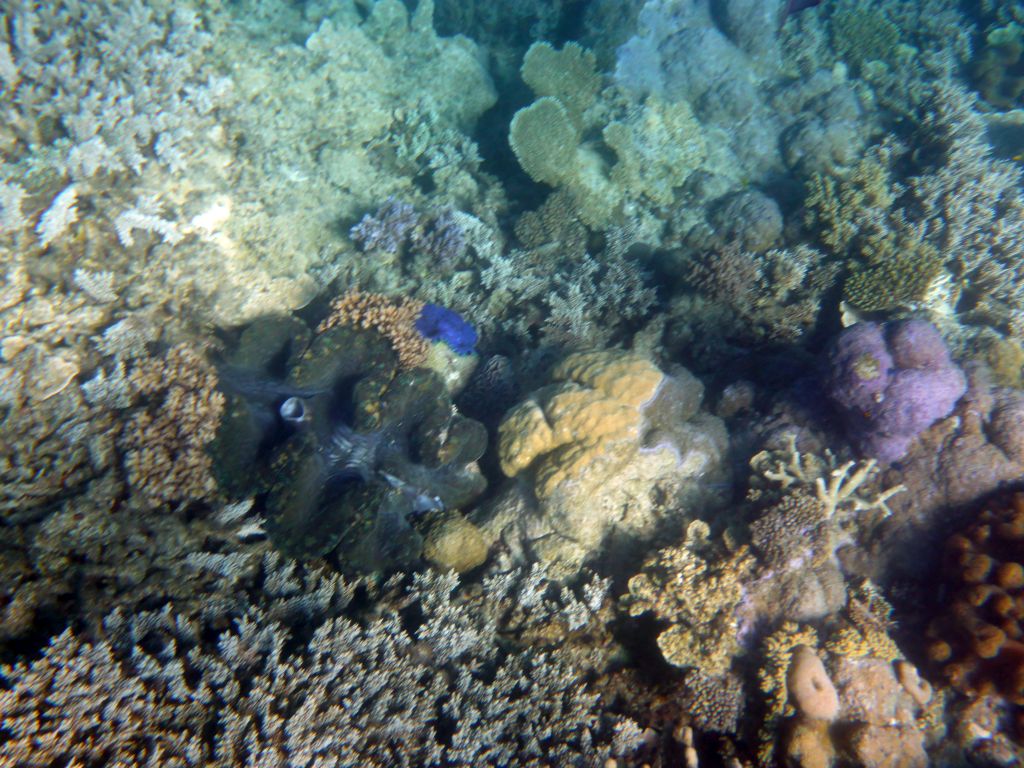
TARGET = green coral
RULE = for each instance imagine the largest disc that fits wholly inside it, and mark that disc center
(997, 69)
(569, 75)
(894, 273)
(860, 35)
(561, 141)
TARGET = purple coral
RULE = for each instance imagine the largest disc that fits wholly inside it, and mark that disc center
(891, 382)
(443, 241)
(388, 229)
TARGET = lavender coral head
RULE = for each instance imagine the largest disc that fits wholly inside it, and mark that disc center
(891, 382)
(440, 324)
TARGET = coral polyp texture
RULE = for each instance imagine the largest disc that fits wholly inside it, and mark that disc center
(592, 446)
(891, 382)
(978, 642)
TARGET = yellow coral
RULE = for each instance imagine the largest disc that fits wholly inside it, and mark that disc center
(778, 653)
(699, 598)
(589, 420)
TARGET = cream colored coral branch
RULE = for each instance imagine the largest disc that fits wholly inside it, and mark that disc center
(835, 484)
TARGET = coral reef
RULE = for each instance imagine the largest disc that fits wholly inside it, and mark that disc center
(394, 319)
(177, 688)
(977, 640)
(997, 68)
(178, 414)
(890, 383)
(353, 452)
(594, 449)
(698, 597)
(656, 146)
(972, 453)
(773, 296)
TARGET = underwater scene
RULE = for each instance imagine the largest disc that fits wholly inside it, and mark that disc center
(607, 383)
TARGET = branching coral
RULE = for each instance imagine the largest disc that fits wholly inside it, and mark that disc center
(393, 318)
(165, 440)
(194, 690)
(698, 596)
(835, 488)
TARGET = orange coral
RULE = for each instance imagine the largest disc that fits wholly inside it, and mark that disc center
(393, 318)
(978, 640)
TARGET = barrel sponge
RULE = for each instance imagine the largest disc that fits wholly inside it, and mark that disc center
(572, 427)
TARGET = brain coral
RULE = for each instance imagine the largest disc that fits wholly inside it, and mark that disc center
(593, 447)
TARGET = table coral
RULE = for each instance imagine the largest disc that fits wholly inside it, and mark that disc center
(592, 447)
(656, 145)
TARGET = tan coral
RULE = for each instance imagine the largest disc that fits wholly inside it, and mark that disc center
(698, 597)
(165, 441)
(571, 427)
(611, 447)
(393, 318)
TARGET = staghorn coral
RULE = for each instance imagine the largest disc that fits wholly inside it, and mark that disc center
(895, 273)
(393, 318)
(593, 446)
(164, 442)
(170, 687)
(715, 703)
(698, 597)
(837, 487)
